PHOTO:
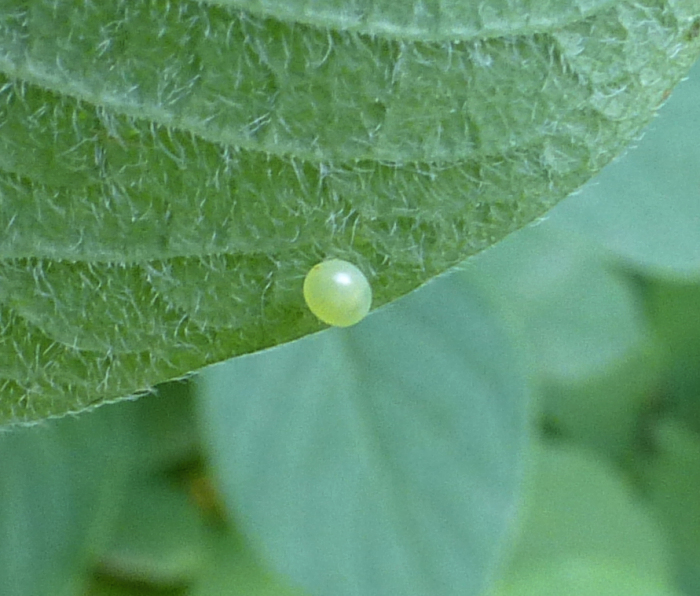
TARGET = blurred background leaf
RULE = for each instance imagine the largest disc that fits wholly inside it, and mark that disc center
(583, 328)
(578, 505)
(391, 450)
(60, 489)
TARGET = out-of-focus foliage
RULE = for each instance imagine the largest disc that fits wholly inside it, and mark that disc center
(578, 506)
(583, 331)
(671, 478)
(400, 442)
(586, 576)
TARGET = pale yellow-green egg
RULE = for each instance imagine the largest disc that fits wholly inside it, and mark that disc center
(337, 292)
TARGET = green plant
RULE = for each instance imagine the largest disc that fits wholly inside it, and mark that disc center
(169, 173)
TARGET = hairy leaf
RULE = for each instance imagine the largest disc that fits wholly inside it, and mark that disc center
(428, 19)
(168, 173)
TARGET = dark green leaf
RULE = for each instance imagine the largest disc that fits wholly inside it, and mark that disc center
(672, 481)
(673, 308)
(232, 570)
(165, 428)
(158, 538)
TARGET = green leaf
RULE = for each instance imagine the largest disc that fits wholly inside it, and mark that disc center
(164, 426)
(232, 570)
(158, 538)
(577, 91)
(167, 177)
(579, 506)
(583, 328)
(443, 20)
(58, 500)
(673, 308)
(381, 459)
(576, 315)
(672, 482)
(586, 576)
(104, 587)
(645, 207)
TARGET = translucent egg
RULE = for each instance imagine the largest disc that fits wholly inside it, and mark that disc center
(338, 293)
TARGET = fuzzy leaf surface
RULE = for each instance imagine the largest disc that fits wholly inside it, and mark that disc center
(435, 20)
(167, 177)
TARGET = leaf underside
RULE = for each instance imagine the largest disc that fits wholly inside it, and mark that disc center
(169, 174)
